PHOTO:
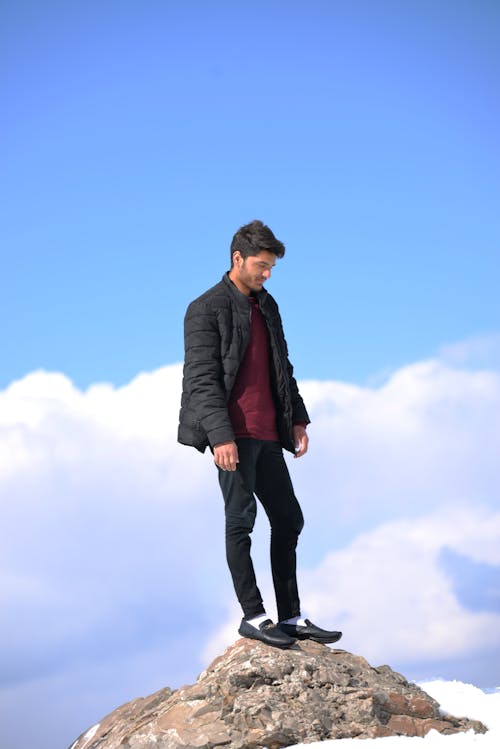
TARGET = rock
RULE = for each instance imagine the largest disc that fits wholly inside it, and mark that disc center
(256, 696)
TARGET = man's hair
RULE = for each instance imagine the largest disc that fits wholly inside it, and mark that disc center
(253, 238)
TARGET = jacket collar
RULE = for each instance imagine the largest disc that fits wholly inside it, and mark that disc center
(238, 296)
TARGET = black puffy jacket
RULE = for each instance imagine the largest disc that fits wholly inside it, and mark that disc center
(216, 334)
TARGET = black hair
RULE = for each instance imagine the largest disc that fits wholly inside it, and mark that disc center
(253, 238)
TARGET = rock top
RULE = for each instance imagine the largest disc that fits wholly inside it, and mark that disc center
(254, 696)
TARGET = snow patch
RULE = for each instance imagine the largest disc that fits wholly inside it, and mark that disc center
(86, 737)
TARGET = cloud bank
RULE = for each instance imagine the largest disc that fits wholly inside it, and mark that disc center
(113, 580)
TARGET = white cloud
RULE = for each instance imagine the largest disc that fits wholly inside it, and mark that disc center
(99, 512)
(392, 597)
(427, 437)
(478, 352)
(111, 534)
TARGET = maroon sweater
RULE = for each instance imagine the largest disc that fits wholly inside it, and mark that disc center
(251, 406)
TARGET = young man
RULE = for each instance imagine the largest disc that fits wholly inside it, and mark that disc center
(240, 398)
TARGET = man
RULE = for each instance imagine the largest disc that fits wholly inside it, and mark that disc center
(240, 398)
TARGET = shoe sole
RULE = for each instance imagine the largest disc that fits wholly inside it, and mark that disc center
(324, 641)
(317, 638)
(282, 646)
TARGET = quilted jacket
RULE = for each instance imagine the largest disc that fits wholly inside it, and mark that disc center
(216, 333)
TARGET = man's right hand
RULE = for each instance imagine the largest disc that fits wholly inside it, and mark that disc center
(226, 456)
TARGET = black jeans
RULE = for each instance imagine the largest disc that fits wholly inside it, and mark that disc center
(262, 472)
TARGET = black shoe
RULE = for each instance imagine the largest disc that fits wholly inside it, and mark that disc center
(266, 632)
(310, 631)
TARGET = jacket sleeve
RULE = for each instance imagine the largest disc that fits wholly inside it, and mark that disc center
(203, 373)
(299, 412)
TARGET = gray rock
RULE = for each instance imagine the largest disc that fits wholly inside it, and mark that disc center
(254, 696)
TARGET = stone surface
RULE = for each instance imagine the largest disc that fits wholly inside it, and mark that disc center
(256, 696)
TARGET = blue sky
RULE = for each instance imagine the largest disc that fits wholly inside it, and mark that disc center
(135, 139)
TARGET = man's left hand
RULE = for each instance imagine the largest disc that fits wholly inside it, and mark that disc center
(300, 439)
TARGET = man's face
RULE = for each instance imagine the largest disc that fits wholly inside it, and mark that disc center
(249, 274)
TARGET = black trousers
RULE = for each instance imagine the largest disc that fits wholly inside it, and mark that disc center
(262, 472)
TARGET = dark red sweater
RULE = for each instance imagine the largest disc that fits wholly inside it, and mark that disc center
(251, 406)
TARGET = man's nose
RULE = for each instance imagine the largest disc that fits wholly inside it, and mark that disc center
(267, 273)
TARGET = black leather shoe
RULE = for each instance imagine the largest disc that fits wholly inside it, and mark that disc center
(266, 632)
(310, 632)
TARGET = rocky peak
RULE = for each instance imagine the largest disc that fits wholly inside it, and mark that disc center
(254, 696)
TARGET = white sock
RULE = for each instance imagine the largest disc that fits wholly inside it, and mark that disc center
(295, 620)
(257, 620)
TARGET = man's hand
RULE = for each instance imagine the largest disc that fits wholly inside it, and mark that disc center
(226, 456)
(301, 440)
